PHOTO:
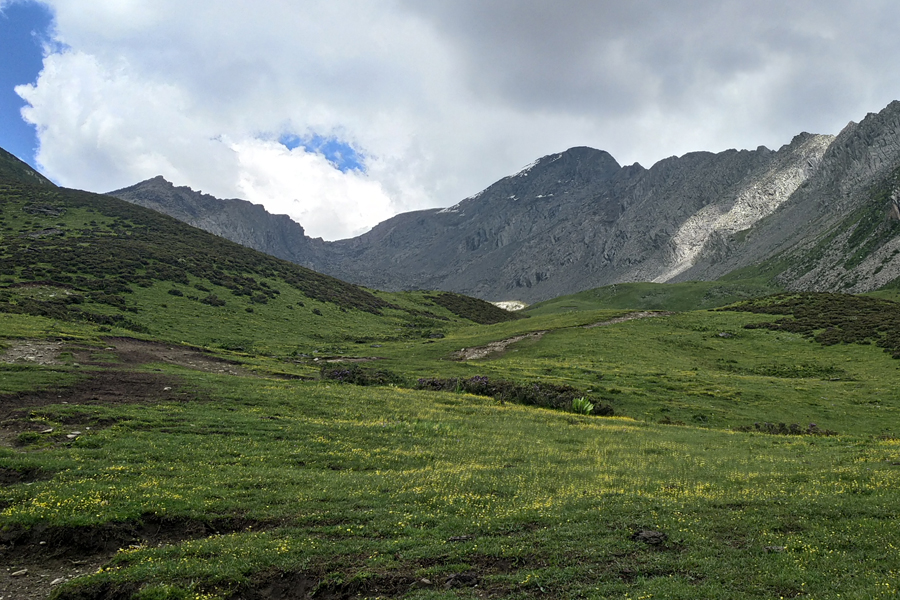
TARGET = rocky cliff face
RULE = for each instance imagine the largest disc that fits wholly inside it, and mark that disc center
(576, 220)
(237, 220)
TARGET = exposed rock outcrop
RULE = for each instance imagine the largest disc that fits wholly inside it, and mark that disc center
(237, 220)
(577, 219)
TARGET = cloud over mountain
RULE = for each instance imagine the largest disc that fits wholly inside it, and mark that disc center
(439, 99)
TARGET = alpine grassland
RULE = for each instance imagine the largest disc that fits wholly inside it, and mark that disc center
(181, 418)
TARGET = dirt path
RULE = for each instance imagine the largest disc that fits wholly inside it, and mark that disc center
(646, 314)
(495, 348)
(97, 388)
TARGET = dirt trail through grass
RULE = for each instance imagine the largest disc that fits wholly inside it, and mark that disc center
(137, 352)
(645, 314)
(37, 352)
(495, 348)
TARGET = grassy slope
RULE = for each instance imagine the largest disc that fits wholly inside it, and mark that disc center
(13, 169)
(98, 259)
(691, 295)
(346, 489)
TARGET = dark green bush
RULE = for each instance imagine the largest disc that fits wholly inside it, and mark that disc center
(213, 300)
(547, 395)
(361, 376)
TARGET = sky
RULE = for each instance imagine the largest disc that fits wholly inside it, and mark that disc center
(343, 113)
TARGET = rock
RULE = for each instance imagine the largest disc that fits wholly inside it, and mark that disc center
(653, 538)
(58, 581)
(20, 573)
(774, 549)
(422, 583)
(458, 580)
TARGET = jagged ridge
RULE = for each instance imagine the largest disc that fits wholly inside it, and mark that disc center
(577, 219)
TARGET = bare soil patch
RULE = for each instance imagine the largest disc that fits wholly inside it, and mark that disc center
(101, 387)
(52, 556)
(98, 388)
(37, 352)
(120, 352)
(13, 476)
(348, 359)
(494, 348)
(132, 351)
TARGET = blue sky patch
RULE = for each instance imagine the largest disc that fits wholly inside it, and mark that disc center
(24, 28)
(341, 154)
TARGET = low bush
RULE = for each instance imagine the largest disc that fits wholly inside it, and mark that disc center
(547, 395)
(213, 300)
(361, 376)
(782, 429)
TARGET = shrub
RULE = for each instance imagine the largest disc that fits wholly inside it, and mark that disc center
(547, 395)
(213, 300)
(783, 429)
(582, 406)
(473, 309)
(361, 376)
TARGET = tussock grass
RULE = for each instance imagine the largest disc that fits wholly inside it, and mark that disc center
(209, 485)
(389, 480)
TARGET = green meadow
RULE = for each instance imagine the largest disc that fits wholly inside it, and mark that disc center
(166, 445)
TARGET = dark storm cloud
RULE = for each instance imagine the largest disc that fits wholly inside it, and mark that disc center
(623, 57)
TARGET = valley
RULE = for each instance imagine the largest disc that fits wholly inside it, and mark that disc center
(182, 417)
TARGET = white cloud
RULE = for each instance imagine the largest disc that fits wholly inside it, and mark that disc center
(100, 127)
(442, 98)
(328, 203)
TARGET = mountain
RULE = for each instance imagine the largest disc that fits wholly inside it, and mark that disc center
(820, 213)
(237, 220)
(98, 261)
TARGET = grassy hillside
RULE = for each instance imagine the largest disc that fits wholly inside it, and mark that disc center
(155, 443)
(13, 169)
(75, 256)
(692, 295)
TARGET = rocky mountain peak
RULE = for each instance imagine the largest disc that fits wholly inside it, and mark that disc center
(576, 219)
